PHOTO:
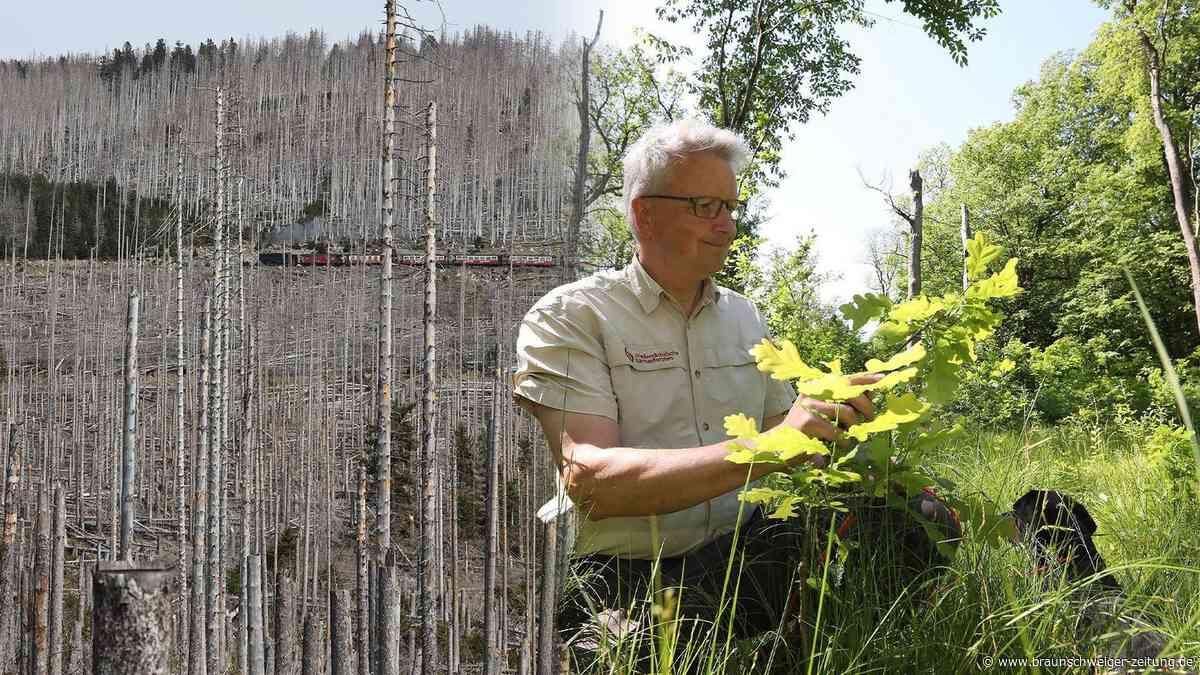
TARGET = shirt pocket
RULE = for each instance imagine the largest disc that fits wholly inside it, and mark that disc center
(733, 382)
(650, 383)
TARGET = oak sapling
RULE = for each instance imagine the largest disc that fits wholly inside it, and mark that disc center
(936, 338)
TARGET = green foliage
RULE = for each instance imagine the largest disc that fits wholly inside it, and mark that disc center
(787, 286)
(78, 219)
(1076, 187)
(942, 333)
(471, 489)
(1169, 449)
(312, 210)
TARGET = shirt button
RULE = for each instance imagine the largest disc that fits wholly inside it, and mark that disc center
(706, 426)
(696, 373)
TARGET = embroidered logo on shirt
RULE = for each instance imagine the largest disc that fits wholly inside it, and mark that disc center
(650, 357)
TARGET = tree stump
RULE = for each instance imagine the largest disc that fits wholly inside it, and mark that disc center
(131, 619)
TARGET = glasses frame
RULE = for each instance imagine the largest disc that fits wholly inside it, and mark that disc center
(734, 207)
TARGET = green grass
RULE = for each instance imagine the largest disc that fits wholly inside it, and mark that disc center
(989, 602)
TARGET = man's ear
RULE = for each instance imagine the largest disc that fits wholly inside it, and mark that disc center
(641, 219)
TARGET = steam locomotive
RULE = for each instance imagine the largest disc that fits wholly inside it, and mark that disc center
(409, 258)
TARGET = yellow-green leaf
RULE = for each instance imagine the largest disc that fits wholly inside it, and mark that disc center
(893, 332)
(898, 410)
(783, 363)
(865, 308)
(980, 253)
(894, 378)
(786, 508)
(831, 388)
(1002, 284)
(740, 426)
(919, 308)
(786, 442)
(905, 358)
(746, 455)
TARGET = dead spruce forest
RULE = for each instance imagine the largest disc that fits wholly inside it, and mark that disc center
(327, 478)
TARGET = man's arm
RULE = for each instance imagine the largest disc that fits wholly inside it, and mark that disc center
(607, 481)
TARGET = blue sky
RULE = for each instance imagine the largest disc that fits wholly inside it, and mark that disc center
(909, 96)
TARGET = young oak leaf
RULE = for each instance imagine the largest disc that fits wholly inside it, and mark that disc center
(932, 439)
(762, 495)
(740, 426)
(785, 502)
(1002, 284)
(783, 364)
(898, 410)
(892, 332)
(980, 253)
(919, 308)
(787, 442)
(905, 358)
(831, 387)
(865, 308)
(786, 508)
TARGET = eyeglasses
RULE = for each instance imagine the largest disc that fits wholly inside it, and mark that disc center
(707, 207)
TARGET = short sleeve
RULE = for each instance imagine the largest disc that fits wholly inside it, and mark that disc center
(561, 362)
(780, 396)
(780, 393)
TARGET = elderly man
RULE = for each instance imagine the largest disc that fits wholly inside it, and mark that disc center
(631, 375)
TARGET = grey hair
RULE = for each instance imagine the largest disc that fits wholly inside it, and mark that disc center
(648, 160)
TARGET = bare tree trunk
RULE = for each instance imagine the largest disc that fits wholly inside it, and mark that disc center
(389, 619)
(8, 557)
(131, 620)
(39, 614)
(341, 634)
(311, 663)
(585, 137)
(491, 656)
(965, 232)
(383, 445)
(1175, 168)
(56, 581)
(216, 404)
(129, 440)
(363, 590)
(547, 654)
(180, 374)
(917, 223)
(429, 464)
(198, 652)
(75, 664)
(286, 650)
(254, 616)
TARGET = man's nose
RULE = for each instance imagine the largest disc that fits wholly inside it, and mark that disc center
(724, 224)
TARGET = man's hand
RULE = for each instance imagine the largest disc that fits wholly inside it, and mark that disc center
(826, 420)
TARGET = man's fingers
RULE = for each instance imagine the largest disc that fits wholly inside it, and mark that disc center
(862, 403)
(822, 429)
(844, 415)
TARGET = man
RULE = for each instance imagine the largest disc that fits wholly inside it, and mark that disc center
(631, 374)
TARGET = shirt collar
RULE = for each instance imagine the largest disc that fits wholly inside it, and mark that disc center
(649, 292)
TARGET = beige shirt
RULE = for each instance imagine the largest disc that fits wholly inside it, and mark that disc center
(616, 344)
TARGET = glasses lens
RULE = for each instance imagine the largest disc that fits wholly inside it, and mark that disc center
(706, 207)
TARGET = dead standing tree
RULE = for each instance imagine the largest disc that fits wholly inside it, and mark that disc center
(581, 159)
(1154, 48)
(129, 439)
(915, 219)
(383, 388)
(429, 511)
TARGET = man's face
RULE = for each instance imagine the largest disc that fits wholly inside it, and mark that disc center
(668, 229)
